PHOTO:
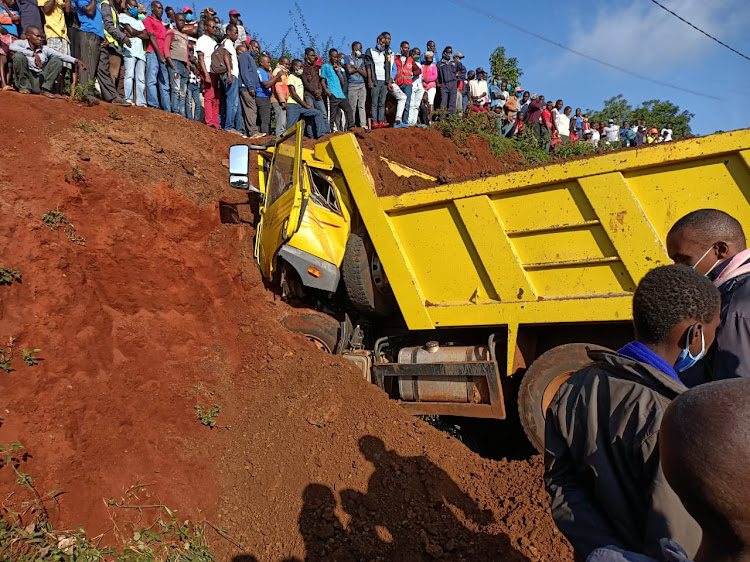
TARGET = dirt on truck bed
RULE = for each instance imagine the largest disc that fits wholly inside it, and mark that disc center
(144, 305)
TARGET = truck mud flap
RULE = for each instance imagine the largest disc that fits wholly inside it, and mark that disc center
(470, 389)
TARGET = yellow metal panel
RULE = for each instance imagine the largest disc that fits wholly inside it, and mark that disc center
(442, 255)
(586, 243)
(668, 193)
(392, 256)
(542, 206)
(629, 231)
(494, 249)
(603, 309)
(581, 281)
(664, 153)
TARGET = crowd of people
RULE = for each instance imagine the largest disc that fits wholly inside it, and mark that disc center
(647, 450)
(208, 71)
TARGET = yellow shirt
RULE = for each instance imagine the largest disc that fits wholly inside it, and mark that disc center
(54, 23)
(294, 82)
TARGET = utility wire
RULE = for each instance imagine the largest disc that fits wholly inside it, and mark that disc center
(699, 29)
(492, 16)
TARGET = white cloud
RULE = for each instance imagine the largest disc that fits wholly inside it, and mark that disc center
(642, 37)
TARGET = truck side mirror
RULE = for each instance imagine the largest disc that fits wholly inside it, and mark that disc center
(239, 159)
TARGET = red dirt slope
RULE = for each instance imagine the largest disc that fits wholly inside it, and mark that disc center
(163, 309)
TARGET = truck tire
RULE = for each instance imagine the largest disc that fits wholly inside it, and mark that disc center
(542, 381)
(364, 278)
(319, 328)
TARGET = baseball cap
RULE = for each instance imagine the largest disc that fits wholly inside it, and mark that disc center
(211, 11)
(186, 9)
(318, 62)
(654, 131)
(234, 13)
(458, 56)
(519, 90)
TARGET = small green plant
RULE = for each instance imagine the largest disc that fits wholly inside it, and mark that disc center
(7, 276)
(77, 176)
(28, 356)
(81, 124)
(207, 416)
(114, 113)
(6, 358)
(57, 219)
(86, 93)
(569, 149)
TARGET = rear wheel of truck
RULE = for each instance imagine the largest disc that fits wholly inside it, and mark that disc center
(542, 381)
(364, 278)
(322, 330)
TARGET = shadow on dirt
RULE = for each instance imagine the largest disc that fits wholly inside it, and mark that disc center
(412, 511)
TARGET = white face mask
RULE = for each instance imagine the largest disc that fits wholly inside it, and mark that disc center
(701, 259)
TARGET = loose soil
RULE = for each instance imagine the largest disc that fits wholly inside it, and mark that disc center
(432, 153)
(163, 309)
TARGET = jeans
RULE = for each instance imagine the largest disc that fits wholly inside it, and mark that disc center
(280, 114)
(157, 76)
(178, 79)
(294, 111)
(378, 95)
(135, 72)
(317, 132)
(194, 92)
(465, 100)
(233, 118)
(357, 98)
(448, 97)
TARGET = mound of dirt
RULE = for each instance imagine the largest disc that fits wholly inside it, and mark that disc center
(432, 153)
(163, 309)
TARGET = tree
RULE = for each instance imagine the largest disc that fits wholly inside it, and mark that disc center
(617, 106)
(505, 68)
(656, 113)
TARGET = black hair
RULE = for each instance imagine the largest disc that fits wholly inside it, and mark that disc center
(330, 51)
(567, 107)
(231, 26)
(448, 47)
(168, 8)
(309, 50)
(385, 33)
(404, 43)
(713, 225)
(669, 295)
(356, 43)
(297, 60)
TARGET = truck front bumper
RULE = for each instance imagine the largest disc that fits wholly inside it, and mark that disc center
(313, 271)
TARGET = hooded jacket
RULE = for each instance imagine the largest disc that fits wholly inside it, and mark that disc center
(732, 347)
(602, 468)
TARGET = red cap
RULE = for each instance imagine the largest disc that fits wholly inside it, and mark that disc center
(186, 9)
(318, 62)
(234, 13)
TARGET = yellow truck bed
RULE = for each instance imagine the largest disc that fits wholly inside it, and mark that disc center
(562, 243)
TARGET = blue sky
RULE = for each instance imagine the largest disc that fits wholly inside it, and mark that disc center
(635, 34)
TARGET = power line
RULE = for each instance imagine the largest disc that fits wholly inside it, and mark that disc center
(699, 29)
(492, 16)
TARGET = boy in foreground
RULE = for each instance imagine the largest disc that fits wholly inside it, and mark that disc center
(602, 468)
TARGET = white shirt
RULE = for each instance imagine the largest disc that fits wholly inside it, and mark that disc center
(563, 124)
(136, 45)
(229, 46)
(666, 135)
(205, 45)
(378, 62)
(478, 89)
(612, 132)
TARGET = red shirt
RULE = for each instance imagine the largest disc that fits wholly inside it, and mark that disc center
(547, 118)
(156, 27)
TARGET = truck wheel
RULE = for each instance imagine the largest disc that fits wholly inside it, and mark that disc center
(542, 381)
(364, 278)
(319, 328)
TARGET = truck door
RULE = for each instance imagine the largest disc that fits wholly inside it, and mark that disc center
(285, 191)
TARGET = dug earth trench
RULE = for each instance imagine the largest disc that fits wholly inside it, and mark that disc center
(148, 306)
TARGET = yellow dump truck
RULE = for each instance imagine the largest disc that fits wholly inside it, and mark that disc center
(442, 294)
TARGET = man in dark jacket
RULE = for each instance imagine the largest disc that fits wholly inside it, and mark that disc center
(713, 243)
(602, 472)
(448, 81)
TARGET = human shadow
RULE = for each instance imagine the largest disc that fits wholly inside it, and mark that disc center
(412, 510)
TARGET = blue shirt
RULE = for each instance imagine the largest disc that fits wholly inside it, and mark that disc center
(332, 80)
(90, 24)
(495, 89)
(248, 72)
(260, 91)
(636, 350)
(355, 78)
